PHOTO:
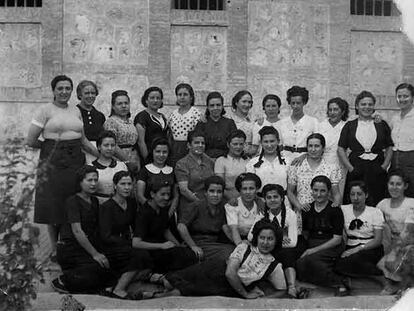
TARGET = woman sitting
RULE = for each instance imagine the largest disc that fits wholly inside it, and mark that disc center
(116, 222)
(201, 225)
(322, 226)
(299, 177)
(157, 171)
(217, 127)
(240, 218)
(285, 220)
(232, 165)
(85, 266)
(152, 231)
(363, 233)
(269, 166)
(106, 165)
(192, 170)
(236, 278)
(398, 238)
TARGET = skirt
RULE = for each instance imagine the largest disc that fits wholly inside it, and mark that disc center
(56, 179)
(178, 151)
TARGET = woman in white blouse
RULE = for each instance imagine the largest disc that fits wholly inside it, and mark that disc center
(367, 141)
(269, 166)
(298, 126)
(330, 128)
(363, 227)
(240, 218)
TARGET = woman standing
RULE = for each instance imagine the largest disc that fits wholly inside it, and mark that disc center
(241, 105)
(182, 121)
(93, 119)
(299, 177)
(106, 165)
(192, 170)
(217, 127)
(126, 134)
(298, 126)
(363, 234)
(61, 155)
(271, 106)
(232, 165)
(322, 225)
(397, 210)
(366, 139)
(269, 166)
(150, 123)
(402, 128)
(241, 217)
(330, 128)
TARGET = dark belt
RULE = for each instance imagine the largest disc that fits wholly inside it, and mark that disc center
(125, 146)
(295, 149)
(351, 237)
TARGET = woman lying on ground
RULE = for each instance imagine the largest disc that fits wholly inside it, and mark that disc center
(322, 227)
(239, 277)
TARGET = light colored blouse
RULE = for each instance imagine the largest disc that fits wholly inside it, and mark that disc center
(331, 134)
(402, 131)
(270, 172)
(231, 168)
(240, 216)
(366, 135)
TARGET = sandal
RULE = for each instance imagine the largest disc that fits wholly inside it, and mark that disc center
(304, 293)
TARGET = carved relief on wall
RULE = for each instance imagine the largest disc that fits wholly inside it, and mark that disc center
(198, 56)
(20, 55)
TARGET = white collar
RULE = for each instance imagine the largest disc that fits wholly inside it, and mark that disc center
(156, 170)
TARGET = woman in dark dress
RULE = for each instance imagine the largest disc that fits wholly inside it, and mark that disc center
(217, 127)
(61, 126)
(150, 123)
(152, 232)
(116, 224)
(367, 141)
(85, 265)
(236, 277)
(322, 227)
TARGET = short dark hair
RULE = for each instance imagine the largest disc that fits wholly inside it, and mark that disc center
(263, 225)
(362, 95)
(407, 86)
(399, 173)
(119, 175)
(297, 91)
(159, 141)
(322, 179)
(196, 133)
(359, 183)
(235, 134)
(105, 134)
(148, 91)
(269, 97)
(83, 171)
(157, 185)
(114, 95)
(269, 130)
(82, 85)
(247, 177)
(316, 136)
(213, 95)
(238, 96)
(58, 79)
(342, 104)
(189, 88)
(216, 180)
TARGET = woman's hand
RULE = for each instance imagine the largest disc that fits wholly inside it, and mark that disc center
(233, 202)
(172, 210)
(286, 241)
(198, 251)
(298, 160)
(304, 207)
(167, 245)
(102, 260)
(308, 252)
(350, 252)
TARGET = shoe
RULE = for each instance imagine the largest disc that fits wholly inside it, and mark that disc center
(342, 291)
(292, 292)
(157, 278)
(58, 286)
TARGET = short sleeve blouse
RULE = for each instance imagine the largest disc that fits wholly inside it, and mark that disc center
(241, 217)
(106, 173)
(125, 132)
(372, 219)
(154, 127)
(93, 121)
(181, 124)
(270, 172)
(150, 174)
(231, 168)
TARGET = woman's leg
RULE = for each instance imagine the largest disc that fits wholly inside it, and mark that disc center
(53, 232)
(121, 287)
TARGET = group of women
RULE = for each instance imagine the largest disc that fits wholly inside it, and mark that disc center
(205, 204)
